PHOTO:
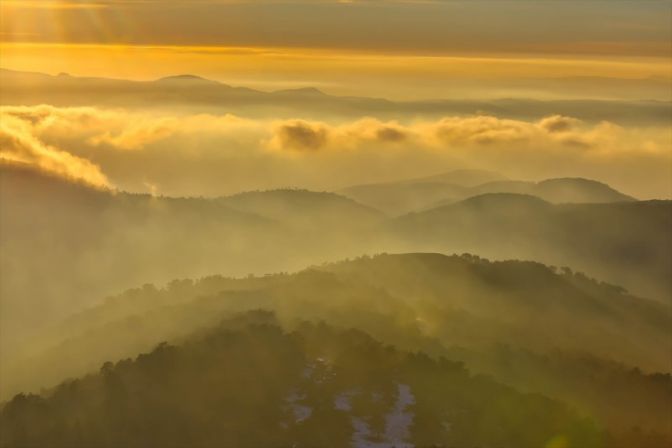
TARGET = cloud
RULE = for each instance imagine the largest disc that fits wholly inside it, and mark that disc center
(434, 27)
(300, 135)
(312, 136)
(451, 134)
(119, 128)
(390, 134)
(481, 130)
(205, 154)
(137, 135)
(18, 144)
(558, 123)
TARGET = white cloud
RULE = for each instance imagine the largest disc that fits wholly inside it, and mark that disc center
(220, 154)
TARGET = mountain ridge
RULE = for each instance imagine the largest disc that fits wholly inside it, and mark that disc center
(443, 306)
(34, 89)
(399, 197)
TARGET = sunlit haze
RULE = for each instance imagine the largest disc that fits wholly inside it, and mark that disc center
(325, 223)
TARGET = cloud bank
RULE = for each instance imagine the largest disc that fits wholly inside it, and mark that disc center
(204, 154)
(18, 143)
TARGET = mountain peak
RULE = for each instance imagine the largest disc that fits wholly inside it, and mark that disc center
(579, 189)
(466, 177)
(505, 199)
(186, 78)
(303, 91)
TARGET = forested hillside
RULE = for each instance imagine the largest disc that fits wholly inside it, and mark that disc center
(66, 245)
(253, 384)
(625, 243)
(75, 238)
(335, 224)
(400, 197)
(554, 332)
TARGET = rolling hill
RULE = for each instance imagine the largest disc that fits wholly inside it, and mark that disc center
(305, 210)
(625, 243)
(193, 93)
(397, 198)
(314, 386)
(563, 190)
(61, 240)
(538, 329)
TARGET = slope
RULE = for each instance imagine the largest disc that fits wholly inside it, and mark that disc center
(397, 198)
(625, 243)
(564, 333)
(315, 386)
(63, 240)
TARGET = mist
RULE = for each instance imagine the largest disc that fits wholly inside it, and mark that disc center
(370, 224)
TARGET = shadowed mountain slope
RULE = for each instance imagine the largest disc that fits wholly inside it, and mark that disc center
(567, 331)
(305, 209)
(62, 240)
(315, 387)
(397, 198)
(626, 243)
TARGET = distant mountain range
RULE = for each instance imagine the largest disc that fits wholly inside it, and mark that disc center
(194, 92)
(65, 245)
(397, 198)
(411, 347)
(73, 237)
(612, 241)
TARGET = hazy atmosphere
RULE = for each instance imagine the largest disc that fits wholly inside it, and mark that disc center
(375, 224)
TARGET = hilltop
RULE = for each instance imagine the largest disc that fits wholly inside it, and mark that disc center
(314, 386)
(537, 329)
(400, 197)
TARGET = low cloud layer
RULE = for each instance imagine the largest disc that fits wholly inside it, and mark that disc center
(455, 134)
(18, 143)
(204, 154)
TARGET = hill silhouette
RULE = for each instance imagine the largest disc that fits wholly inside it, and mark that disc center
(464, 177)
(625, 243)
(541, 330)
(313, 386)
(397, 198)
(38, 88)
(305, 209)
(76, 239)
(564, 190)
(187, 79)
(578, 190)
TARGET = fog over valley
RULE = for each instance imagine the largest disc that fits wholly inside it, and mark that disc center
(329, 224)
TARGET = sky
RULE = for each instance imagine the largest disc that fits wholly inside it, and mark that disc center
(548, 51)
(338, 44)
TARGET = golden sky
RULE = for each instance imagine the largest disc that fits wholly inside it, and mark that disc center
(347, 72)
(626, 28)
(387, 48)
(474, 51)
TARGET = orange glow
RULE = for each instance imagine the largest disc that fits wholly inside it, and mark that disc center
(333, 70)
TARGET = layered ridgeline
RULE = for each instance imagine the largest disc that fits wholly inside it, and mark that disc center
(195, 94)
(398, 198)
(66, 245)
(599, 352)
(625, 243)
